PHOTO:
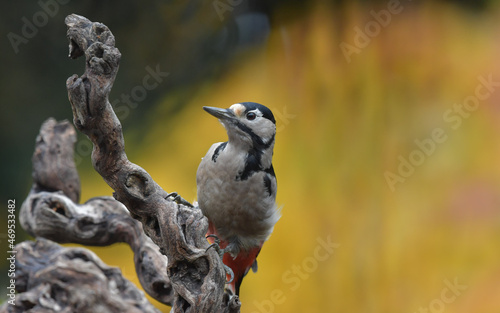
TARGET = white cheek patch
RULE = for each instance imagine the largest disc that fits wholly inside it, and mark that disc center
(238, 109)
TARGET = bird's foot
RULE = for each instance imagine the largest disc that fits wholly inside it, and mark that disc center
(178, 199)
(220, 252)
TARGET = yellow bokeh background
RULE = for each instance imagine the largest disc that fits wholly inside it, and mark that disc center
(341, 127)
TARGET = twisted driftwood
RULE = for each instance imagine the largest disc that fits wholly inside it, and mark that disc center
(196, 274)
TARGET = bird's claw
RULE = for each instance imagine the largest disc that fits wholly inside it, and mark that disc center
(221, 252)
(178, 199)
(215, 245)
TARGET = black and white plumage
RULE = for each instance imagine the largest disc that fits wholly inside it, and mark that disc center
(237, 184)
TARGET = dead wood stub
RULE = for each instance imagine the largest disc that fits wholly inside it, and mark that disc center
(53, 165)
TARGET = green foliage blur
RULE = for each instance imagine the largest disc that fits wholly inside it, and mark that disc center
(386, 153)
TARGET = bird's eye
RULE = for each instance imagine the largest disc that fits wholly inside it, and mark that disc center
(251, 116)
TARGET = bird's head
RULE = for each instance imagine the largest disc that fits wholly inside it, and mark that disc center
(247, 123)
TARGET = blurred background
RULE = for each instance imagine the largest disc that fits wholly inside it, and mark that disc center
(387, 150)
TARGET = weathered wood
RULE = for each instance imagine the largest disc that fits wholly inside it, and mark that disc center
(197, 274)
(100, 221)
(51, 278)
(53, 165)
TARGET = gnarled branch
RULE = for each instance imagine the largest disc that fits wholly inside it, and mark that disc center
(197, 274)
(101, 221)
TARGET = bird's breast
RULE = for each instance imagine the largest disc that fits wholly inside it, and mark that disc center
(237, 207)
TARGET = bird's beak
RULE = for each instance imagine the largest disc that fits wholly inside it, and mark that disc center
(223, 114)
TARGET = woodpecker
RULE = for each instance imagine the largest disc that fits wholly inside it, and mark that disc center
(237, 186)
